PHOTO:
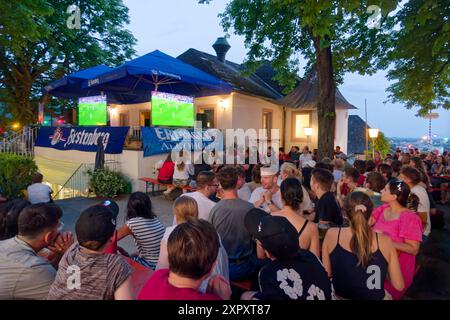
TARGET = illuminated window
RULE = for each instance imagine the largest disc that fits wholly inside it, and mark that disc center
(300, 121)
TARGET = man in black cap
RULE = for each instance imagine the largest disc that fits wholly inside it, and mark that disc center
(292, 273)
(86, 271)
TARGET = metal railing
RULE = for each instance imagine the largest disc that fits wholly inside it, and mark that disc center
(20, 143)
(78, 183)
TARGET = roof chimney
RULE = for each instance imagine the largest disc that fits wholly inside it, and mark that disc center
(221, 46)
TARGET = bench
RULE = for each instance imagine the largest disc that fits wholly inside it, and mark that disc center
(155, 182)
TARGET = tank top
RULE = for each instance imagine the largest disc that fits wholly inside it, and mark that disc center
(353, 281)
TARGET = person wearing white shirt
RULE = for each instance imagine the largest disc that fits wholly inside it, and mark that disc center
(412, 177)
(268, 196)
(305, 156)
(39, 192)
(207, 186)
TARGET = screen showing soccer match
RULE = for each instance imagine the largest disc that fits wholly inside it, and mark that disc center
(92, 111)
(172, 110)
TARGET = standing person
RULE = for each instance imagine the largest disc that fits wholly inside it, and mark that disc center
(165, 170)
(23, 273)
(371, 166)
(145, 227)
(418, 164)
(207, 185)
(39, 192)
(103, 276)
(192, 249)
(291, 273)
(305, 157)
(412, 178)
(337, 151)
(397, 220)
(358, 259)
(327, 209)
(406, 159)
(307, 233)
(268, 196)
(184, 209)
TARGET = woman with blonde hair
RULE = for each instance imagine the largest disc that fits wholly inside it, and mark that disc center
(356, 258)
(289, 170)
(185, 208)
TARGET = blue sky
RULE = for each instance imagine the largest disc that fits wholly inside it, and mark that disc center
(173, 26)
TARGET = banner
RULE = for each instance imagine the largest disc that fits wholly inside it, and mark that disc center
(82, 138)
(162, 140)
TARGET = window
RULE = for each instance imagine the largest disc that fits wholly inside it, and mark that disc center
(300, 121)
(207, 116)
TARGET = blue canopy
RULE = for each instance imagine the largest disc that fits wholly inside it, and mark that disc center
(156, 71)
(70, 85)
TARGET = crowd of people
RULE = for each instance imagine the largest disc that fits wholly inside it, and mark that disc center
(313, 229)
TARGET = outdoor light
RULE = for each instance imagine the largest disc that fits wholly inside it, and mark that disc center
(15, 126)
(424, 137)
(308, 131)
(373, 133)
(113, 112)
(223, 104)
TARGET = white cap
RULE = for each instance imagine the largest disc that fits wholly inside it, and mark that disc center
(268, 171)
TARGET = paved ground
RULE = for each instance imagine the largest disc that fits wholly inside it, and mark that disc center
(431, 282)
(73, 207)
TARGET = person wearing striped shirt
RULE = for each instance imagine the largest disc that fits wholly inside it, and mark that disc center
(145, 227)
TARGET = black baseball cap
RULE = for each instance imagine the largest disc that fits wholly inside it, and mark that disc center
(96, 223)
(278, 236)
(253, 219)
(112, 205)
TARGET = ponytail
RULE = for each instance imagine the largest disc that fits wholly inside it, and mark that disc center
(358, 208)
(412, 202)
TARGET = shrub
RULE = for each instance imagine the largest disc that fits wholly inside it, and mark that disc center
(16, 173)
(106, 183)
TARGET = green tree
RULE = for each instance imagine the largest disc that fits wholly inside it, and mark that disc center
(421, 56)
(37, 47)
(333, 37)
(382, 145)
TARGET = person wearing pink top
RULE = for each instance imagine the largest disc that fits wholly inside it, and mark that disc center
(397, 220)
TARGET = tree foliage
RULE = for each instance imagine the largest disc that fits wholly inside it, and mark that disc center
(36, 46)
(421, 56)
(332, 36)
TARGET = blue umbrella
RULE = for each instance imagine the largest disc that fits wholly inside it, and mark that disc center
(157, 71)
(70, 86)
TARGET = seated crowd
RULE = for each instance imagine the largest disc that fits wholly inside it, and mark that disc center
(312, 230)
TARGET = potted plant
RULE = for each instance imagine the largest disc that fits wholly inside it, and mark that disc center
(106, 183)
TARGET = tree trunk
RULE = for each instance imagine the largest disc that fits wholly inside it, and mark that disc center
(326, 108)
